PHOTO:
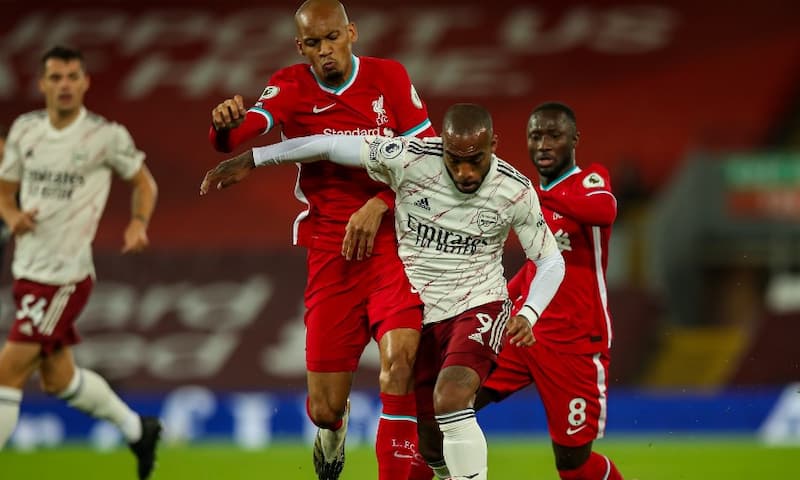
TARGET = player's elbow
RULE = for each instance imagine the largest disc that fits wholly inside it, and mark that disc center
(220, 140)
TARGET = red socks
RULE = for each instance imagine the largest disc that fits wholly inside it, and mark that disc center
(396, 445)
(598, 467)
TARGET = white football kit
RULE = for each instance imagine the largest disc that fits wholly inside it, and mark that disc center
(65, 175)
(451, 243)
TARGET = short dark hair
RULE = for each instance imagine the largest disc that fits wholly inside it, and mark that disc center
(558, 107)
(63, 53)
(3, 131)
(464, 118)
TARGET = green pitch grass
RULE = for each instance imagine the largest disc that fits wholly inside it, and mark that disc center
(644, 458)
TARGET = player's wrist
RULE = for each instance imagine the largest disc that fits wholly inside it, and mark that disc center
(141, 218)
(529, 314)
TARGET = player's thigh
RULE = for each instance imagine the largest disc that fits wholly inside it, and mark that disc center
(392, 304)
(336, 321)
(18, 360)
(46, 314)
(475, 338)
(573, 391)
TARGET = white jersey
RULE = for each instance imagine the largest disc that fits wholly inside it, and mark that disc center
(65, 175)
(451, 243)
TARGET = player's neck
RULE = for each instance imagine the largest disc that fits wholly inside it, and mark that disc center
(61, 119)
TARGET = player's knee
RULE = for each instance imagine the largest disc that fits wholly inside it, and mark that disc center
(323, 415)
(51, 385)
(451, 397)
(397, 375)
(571, 458)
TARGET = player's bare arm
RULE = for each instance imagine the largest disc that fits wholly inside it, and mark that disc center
(228, 172)
(520, 331)
(229, 114)
(359, 237)
(143, 202)
(18, 221)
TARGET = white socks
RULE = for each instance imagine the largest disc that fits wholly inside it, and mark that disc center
(91, 394)
(9, 412)
(465, 450)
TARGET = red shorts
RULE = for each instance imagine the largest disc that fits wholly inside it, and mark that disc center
(349, 302)
(46, 314)
(472, 339)
(572, 387)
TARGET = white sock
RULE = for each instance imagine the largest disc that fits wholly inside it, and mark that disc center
(91, 394)
(464, 445)
(9, 412)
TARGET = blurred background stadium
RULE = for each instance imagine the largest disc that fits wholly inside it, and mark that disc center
(693, 106)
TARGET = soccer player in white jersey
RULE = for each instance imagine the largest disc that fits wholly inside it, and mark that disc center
(60, 160)
(455, 204)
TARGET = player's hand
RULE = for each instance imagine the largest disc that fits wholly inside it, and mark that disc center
(135, 239)
(519, 331)
(359, 234)
(23, 222)
(228, 172)
(229, 114)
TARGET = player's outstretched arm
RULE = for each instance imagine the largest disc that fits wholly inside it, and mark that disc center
(228, 172)
(18, 222)
(341, 149)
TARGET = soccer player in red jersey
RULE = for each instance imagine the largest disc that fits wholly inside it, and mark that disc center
(569, 360)
(347, 302)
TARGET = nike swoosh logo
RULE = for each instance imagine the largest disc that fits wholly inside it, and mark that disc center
(402, 455)
(573, 431)
(320, 110)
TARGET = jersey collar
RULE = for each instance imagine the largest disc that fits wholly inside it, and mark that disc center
(572, 171)
(66, 131)
(347, 84)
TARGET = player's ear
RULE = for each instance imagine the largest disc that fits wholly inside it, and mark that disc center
(576, 137)
(352, 32)
(494, 142)
(299, 46)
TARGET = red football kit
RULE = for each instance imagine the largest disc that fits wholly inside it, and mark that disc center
(346, 302)
(569, 361)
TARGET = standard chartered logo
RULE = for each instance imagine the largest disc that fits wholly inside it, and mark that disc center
(447, 241)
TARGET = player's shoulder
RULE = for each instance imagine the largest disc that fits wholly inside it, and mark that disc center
(96, 119)
(424, 146)
(28, 119)
(291, 75)
(506, 170)
(382, 67)
(595, 176)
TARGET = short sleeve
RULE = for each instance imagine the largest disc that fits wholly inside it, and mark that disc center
(276, 102)
(11, 168)
(528, 220)
(124, 158)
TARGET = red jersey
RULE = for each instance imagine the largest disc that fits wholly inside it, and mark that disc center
(377, 99)
(579, 208)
